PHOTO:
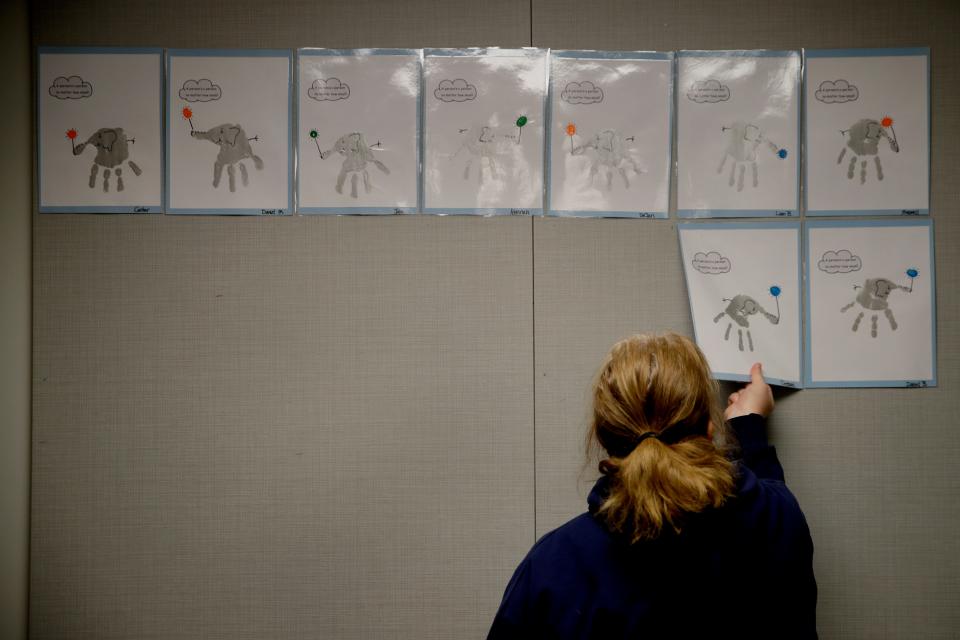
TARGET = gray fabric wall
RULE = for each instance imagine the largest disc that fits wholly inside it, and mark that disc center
(15, 304)
(355, 428)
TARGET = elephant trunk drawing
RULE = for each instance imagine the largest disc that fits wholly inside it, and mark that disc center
(234, 147)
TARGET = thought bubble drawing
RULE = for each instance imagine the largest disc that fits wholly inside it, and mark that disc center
(708, 91)
(842, 261)
(458, 90)
(711, 263)
(330, 89)
(836, 91)
(200, 91)
(581, 93)
(72, 88)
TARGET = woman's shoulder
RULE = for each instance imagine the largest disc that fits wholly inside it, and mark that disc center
(763, 492)
(767, 508)
(581, 533)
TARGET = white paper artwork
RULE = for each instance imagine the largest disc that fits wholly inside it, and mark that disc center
(870, 304)
(743, 280)
(99, 144)
(483, 142)
(229, 148)
(358, 134)
(610, 138)
(738, 133)
(867, 131)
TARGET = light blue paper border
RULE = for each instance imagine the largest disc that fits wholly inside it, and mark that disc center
(357, 211)
(454, 52)
(291, 160)
(548, 137)
(548, 132)
(529, 52)
(752, 213)
(808, 368)
(906, 213)
(868, 53)
(346, 53)
(737, 53)
(421, 137)
(879, 52)
(612, 55)
(692, 214)
(484, 211)
(771, 224)
(363, 210)
(111, 209)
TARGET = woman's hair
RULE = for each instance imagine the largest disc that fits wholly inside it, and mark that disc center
(652, 402)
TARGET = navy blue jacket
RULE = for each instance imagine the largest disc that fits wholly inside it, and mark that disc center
(741, 571)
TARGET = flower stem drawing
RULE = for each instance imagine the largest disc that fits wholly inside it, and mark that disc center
(521, 122)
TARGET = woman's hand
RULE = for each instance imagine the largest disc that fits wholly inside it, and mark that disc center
(756, 397)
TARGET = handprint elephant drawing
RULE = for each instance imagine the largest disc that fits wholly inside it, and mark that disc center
(112, 150)
(863, 142)
(743, 141)
(480, 143)
(234, 148)
(872, 296)
(738, 311)
(356, 155)
(611, 154)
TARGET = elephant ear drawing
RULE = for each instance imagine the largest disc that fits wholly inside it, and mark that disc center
(357, 142)
(605, 141)
(230, 134)
(107, 138)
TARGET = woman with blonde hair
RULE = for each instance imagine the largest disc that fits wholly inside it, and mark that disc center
(681, 538)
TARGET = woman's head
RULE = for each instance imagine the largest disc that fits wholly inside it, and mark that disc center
(654, 403)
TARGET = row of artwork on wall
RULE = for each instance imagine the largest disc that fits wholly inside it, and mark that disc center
(483, 131)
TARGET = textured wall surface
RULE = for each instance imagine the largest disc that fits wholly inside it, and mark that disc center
(356, 427)
(15, 277)
(280, 428)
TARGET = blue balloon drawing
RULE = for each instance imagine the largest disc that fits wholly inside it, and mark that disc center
(782, 153)
(913, 273)
(775, 291)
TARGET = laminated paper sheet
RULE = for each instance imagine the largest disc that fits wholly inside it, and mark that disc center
(358, 133)
(870, 303)
(738, 133)
(867, 131)
(483, 142)
(610, 133)
(229, 148)
(99, 141)
(743, 280)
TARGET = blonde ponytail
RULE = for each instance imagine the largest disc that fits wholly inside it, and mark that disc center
(653, 401)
